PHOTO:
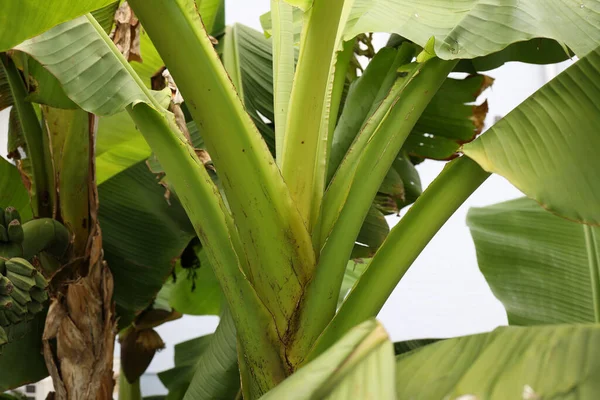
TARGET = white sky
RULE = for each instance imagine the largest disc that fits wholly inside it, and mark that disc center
(443, 294)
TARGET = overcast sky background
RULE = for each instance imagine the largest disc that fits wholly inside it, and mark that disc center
(443, 294)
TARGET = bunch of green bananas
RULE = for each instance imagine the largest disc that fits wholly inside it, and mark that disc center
(11, 235)
(22, 288)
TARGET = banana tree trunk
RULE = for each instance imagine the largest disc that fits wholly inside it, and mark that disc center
(79, 334)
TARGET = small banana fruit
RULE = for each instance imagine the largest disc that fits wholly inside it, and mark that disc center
(6, 286)
(21, 281)
(15, 232)
(20, 266)
(3, 320)
(22, 291)
(11, 214)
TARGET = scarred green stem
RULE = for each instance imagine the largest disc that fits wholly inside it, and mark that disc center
(459, 179)
(32, 133)
(348, 200)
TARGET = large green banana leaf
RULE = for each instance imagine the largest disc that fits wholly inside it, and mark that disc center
(555, 362)
(21, 360)
(474, 28)
(119, 146)
(216, 374)
(488, 33)
(42, 86)
(187, 354)
(548, 146)
(536, 263)
(451, 119)
(23, 19)
(359, 366)
(143, 234)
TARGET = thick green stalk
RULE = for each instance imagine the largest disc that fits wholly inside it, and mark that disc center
(70, 137)
(369, 159)
(129, 391)
(594, 265)
(32, 133)
(214, 226)
(304, 160)
(391, 99)
(459, 179)
(283, 68)
(260, 201)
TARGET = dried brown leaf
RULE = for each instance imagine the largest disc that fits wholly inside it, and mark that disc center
(126, 33)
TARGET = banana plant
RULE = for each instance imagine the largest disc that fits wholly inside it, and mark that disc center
(259, 168)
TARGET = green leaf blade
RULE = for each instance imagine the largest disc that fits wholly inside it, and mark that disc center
(536, 263)
(142, 232)
(547, 146)
(217, 374)
(23, 19)
(359, 366)
(474, 28)
(514, 362)
(86, 68)
(21, 360)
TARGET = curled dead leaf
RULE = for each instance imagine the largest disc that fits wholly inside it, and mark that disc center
(478, 117)
(126, 33)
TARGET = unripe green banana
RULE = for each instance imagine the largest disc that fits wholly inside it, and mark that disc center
(15, 232)
(10, 250)
(20, 281)
(10, 214)
(12, 317)
(3, 320)
(20, 296)
(3, 337)
(38, 295)
(40, 281)
(20, 266)
(34, 307)
(6, 286)
(3, 234)
(19, 309)
(6, 303)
